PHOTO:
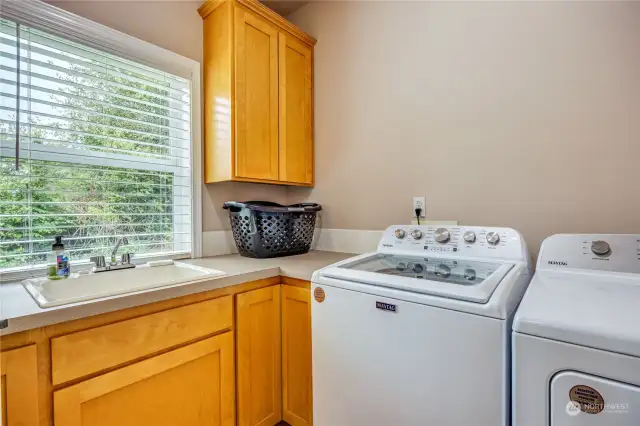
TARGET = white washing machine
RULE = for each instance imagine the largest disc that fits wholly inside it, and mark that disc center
(418, 333)
(576, 335)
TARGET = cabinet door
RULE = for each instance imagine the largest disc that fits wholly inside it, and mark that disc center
(296, 134)
(19, 387)
(256, 97)
(296, 356)
(259, 360)
(193, 385)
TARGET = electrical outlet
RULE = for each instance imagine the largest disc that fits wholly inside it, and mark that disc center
(420, 203)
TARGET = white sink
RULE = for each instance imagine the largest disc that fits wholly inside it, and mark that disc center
(78, 288)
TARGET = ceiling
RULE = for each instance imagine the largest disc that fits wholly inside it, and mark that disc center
(284, 7)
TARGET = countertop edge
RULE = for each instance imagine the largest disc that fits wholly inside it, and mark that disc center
(36, 317)
(46, 317)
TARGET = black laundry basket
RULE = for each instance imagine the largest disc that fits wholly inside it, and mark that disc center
(264, 229)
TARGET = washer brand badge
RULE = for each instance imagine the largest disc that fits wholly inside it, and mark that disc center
(589, 399)
(557, 262)
(387, 245)
(386, 306)
(319, 294)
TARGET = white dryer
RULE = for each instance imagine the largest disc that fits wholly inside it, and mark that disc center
(418, 333)
(576, 335)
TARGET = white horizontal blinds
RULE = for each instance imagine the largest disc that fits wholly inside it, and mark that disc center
(102, 151)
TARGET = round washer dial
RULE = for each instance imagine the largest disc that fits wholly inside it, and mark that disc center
(469, 237)
(600, 248)
(441, 235)
(493, 238)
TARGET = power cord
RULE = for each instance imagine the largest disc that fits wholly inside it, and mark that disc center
(418, 213)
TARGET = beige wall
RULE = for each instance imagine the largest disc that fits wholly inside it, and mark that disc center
(173, 25)
(176, 26)
(522, 114)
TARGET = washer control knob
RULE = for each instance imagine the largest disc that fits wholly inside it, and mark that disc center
(401, 266)
(493, 238)
(416, 234)
(442, 271)
(600, 248)
(417, 268)
(469, 274)
(400, 233)
(469, 237)
(441, 235)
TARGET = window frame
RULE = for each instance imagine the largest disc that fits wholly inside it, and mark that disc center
(59, 22)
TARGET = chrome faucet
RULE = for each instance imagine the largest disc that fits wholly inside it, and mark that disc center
(121, 241)
(114, 265)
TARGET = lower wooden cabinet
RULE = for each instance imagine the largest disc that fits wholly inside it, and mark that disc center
(19, 387)
(192, 385)
(133, 371)
(259, 357)
(296, 356)
(274, 356)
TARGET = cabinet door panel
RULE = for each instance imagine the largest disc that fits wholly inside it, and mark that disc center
(19, 387)
(259, 359)
(295, 103)
(193, 385)
(296, 356)
(256, 147)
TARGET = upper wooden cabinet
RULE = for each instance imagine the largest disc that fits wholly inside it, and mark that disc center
(258, 95)
(296, 133)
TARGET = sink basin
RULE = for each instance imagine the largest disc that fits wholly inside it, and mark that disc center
(78, 288)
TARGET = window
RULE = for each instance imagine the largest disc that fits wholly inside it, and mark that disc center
(93, 146)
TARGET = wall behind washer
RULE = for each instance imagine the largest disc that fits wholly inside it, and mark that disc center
(520, 114)
(174, 25)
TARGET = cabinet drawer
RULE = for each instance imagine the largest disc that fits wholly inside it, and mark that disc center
(90, 351)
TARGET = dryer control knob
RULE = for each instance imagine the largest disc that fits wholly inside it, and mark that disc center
(493, 238)
(600, 248)
(416, 234)
(443, 271)
(400, 233)
(469, 237)
(441, 235)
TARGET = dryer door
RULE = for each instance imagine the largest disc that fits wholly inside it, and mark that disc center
(582, 400)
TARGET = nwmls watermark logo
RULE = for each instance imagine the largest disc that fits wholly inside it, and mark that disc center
(574, 408)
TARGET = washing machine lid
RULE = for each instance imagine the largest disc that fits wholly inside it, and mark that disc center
(595, 309)
(454, 278)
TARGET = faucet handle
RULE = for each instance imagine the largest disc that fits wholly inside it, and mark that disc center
(99, 261)
(126, 258)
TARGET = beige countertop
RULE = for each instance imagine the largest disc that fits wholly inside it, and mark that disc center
(301, 267)
(23, 313)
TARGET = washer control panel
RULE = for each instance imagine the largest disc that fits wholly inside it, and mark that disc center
(604, 252)
(464, 241)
